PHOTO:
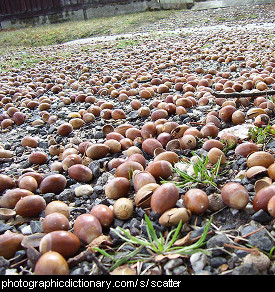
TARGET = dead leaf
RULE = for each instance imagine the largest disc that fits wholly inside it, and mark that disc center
(99, 241)
(160, 257)
(182, 240)
(223, 267)
(123, 270)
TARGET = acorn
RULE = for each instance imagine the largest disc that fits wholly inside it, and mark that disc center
(141, 178)
(262, 198)
(260, 158)
(64, 242)
(214, 154)
(188, 141)
(169, 156)
(117, 187)
(160, 169)
(53, 183)
(271, 206)
(51, 263)
(65, 129)
(87, 227)
(10, 243)
(246, 148)
(12, 196)
(29, 141)
(127, 169)
(104, 214)
(30, 206)
(196, 201)
(164, 198)
(28, 183)
(97, 151)
(150, 144)
(70, 160)
(57, 206)
(235, 195)
(259, 259)
(80, 172)
(144, 194)
(271, 171)
(6, 182)
(38, 157)
(173, 216)
(123, 208)
(55, 221)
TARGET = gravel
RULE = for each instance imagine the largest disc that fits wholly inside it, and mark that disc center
(231, 27)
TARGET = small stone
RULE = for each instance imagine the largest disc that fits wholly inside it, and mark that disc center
(4, 227)
(261, 216)
(215, 262)
(258, 239)
(4, 264)
(36, 226)
(246, 269)
(26, 230)
(180, 270)
(216, 243)
(172, 264)
(198, 261)
(84, 190)
(95, 168)
(66, 195)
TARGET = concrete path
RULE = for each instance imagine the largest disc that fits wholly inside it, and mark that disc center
(228, 3)
(92, 40)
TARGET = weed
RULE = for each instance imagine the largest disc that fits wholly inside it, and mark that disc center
(261, 135)
(155, 245)
(200, 174)
(126, 43)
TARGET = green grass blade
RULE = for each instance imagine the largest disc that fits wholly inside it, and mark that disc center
(201, 242)
(103, 252)
(129, 238)
(125, 259)
(175, 233)
(151, 231)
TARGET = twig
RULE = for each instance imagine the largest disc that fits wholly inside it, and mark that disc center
(252, 250)
(243, 94)
(98, 263)
(83, 256)
(15, 265)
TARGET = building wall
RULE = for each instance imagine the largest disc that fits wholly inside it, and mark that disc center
(68, 10)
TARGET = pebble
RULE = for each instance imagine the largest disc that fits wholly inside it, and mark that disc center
(216, 244)
(4, 264)
(246, 269)
(83, 190)
(36, 226)
(261, 216)
(180, 270)
(4, 227)
(259, 239)
(26, 230)
(217, 261)
(198, 261)
(172, 264)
